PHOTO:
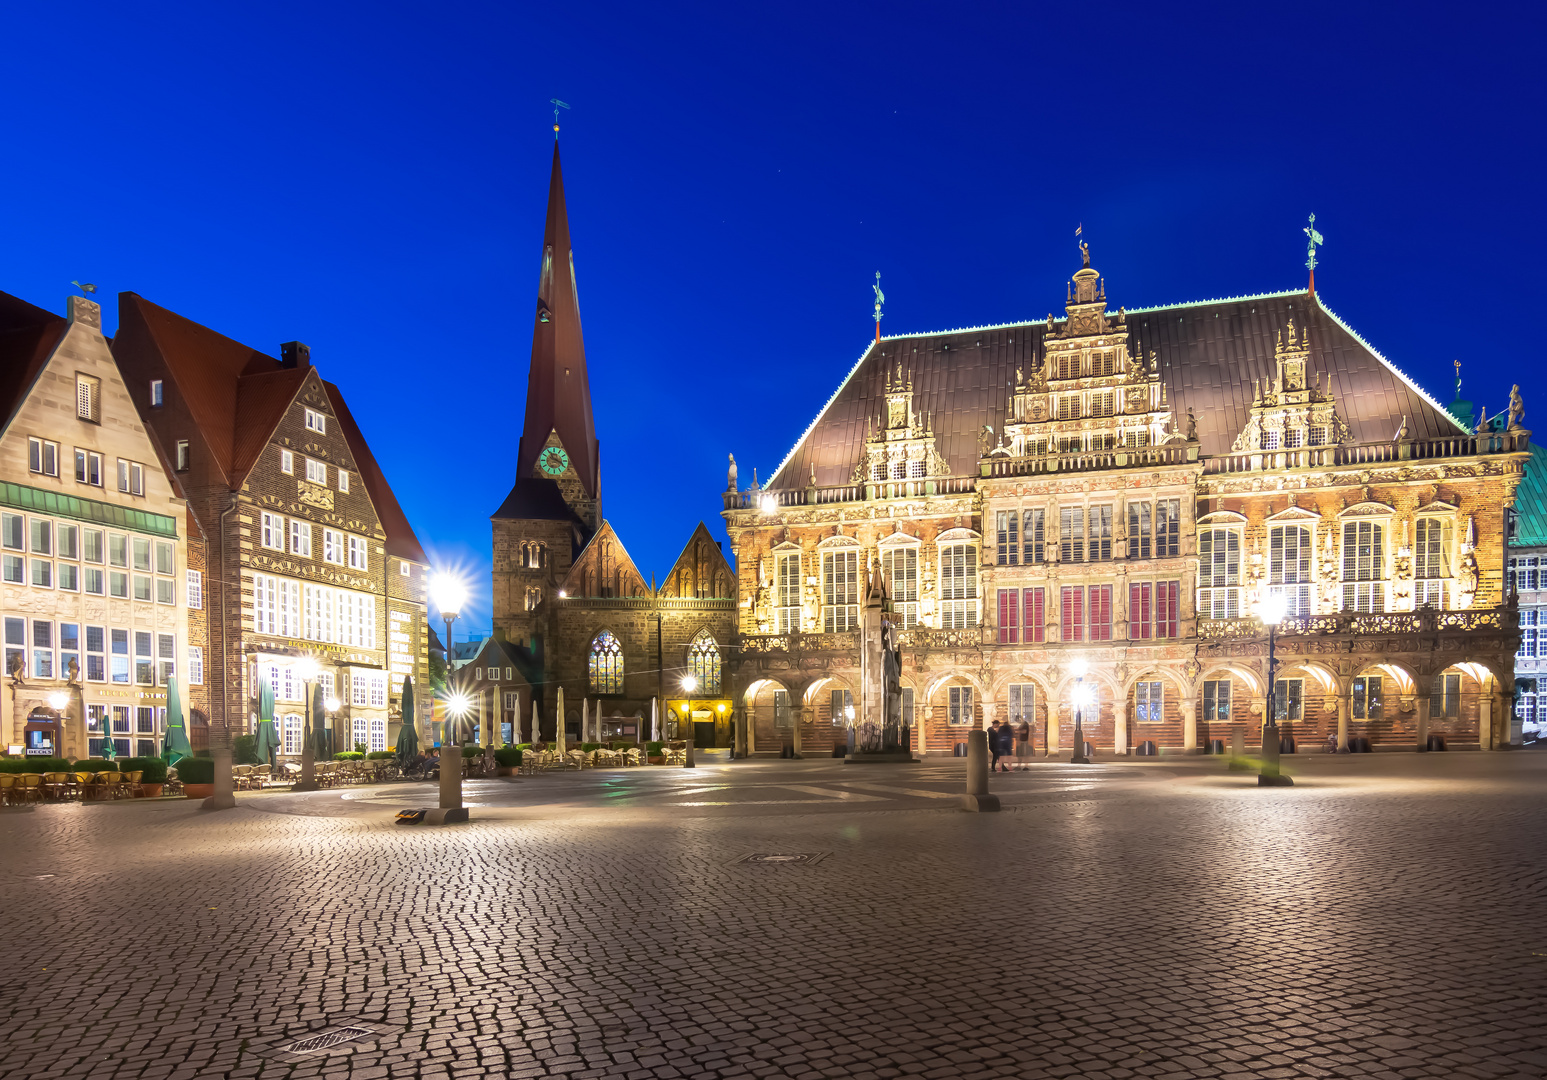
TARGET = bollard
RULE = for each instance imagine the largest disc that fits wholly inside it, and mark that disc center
(450, 811)
(977, 798)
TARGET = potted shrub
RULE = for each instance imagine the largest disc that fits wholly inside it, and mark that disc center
(509, 759)
(349, 755)
(380, 755)
(653, 753)
(198, 776)
(153, 774)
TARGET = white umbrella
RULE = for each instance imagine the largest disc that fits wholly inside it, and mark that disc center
(655, 721)
(536, 729)
(558, 724)
(585, 720)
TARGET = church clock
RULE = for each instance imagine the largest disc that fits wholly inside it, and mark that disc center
(553, 461)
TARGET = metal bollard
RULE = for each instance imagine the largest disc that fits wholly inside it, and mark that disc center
(977, 798)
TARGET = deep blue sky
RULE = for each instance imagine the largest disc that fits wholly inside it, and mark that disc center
(370, 179)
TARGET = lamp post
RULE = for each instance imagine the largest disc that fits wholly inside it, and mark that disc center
(306, 668)
(449, 594)
(733, 733)
(689, 685)
(1081, 695)
(1271, 612)
(848, 716)
(330, 705)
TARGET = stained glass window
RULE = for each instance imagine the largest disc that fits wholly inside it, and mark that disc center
(705, 658)
(606, 664)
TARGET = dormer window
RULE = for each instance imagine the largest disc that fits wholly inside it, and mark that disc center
(1270, 440)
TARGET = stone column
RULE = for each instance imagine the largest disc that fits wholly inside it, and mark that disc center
(1485, 721)
(1501, 713)
(1343, 707)
(1263, 724)
(1052, 730)
(1190, 725)
(1423, 723)
(797, 717)
(1119, 728)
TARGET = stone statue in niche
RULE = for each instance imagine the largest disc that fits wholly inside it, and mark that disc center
(1517, 408)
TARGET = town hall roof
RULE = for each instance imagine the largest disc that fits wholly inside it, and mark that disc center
(1209, 354)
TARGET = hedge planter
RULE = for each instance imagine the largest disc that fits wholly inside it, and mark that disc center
(152, 791)
(199, 791)
(658, 760)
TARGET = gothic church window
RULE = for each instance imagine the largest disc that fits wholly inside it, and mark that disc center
(606, 664)
(704, 657)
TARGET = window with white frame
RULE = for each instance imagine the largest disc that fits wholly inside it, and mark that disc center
(840, 591)
(1219, 573)
(43, 456)
(88, 467)
(1369, 699)
(1289, 568)
(959, 704)
(1147, 702)
(343, 481)
(119, 658)
(1289, 698)
(378, 691)
(361, 732)
(301, 538)
(156, 398)
(316, 421)
(195, 665)
(1007, 531)
(290, 729)
(166, 657)
(787, 592)
(1431, 562)
(359, 688)
(1364, 567)
(88, 397)
(359, 557)
(958, 586)
(378, 741)
(333, 546)
(1216, 700)
(316, 471)
(1023, 703)
(1525, 569)
(1529, 628)
(901, 567)
(1445, 696)
(276, 607)
(195, 590)
(271, 531)
(131, 477)
(287, 462)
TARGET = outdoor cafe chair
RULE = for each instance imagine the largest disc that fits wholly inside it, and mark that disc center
(29, 787)
(96, 786)
(58, 785)
(632, 756)
(112, 783)
(129, 785)
(7, 786)
(173, 784)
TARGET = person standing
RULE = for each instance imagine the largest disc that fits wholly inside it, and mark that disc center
(1023, 745)
(995, 744)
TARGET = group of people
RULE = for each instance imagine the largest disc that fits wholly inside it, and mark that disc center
(1006, 740)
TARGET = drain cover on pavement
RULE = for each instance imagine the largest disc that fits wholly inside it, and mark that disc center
(341, 1038)
(806, 858)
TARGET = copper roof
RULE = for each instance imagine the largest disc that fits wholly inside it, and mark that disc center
(558, 390)
(28, 337)
(401, 541)
(1209, 354)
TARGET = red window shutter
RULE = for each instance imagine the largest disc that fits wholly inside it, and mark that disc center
(1009, 611)
(1167, 598)
(1072, 612)
(1036, 619)
(1139, 610)
(1100, 615)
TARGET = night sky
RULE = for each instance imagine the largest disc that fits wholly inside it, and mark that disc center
(370, 179)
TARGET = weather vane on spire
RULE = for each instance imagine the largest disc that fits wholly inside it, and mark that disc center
(1315, 241)
(557, 105)
(1458, 380)
(880, 299)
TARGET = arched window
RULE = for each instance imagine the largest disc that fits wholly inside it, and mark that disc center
(704, 657)
(606, 664)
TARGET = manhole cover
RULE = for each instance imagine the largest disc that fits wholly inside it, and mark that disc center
(341, 1038)
(805, 858)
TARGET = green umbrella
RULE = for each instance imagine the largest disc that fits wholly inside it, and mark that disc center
(407, 735)
(268, 736)
(177, 746)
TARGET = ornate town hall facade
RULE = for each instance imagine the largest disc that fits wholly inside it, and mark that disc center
(1123, 489)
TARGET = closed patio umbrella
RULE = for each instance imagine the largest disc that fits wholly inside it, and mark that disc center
(407, 747)
(558, 724)
(176, 746)
(268, 731)
(537, 731)
(655, 720)
(585, 720)
(320, 734)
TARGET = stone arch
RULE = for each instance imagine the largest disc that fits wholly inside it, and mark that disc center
(763, 720)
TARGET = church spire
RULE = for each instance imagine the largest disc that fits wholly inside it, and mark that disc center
(558, 392)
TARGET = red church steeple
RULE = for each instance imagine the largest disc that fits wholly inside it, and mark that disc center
(558, 391)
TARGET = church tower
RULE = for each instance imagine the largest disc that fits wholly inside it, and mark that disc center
(555, 505)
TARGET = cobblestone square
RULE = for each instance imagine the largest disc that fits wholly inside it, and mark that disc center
(1383, 918)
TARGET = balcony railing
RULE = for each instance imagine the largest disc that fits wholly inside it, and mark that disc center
(778, 499)
(1305, 457)
(1396, 622)
(1120, 457)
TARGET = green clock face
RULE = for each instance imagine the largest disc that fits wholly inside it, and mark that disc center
(553, 461)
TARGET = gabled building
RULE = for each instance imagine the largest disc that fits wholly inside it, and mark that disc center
(567, 596)
(1121, 491)
(309, 553)
(101, 583)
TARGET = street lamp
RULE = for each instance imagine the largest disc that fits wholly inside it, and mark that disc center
(307, 669)
(330, 705)
(689, 685)
(449, 594)
(848, 716)
(1081, 697)
(1271, 612)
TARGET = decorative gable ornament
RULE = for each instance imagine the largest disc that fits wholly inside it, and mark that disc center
(1288, 412)
(904, 447)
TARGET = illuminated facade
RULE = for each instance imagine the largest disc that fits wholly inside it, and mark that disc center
(1124, 488)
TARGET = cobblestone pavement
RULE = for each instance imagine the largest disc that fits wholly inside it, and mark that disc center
(1384, 918)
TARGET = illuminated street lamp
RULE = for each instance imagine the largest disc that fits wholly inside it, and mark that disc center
(848, 716)
(1271, 612)
(689, 685)
(1082, 697)
(449, 595)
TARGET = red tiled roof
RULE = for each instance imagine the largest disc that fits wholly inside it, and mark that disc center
(401, 541)
(28, 337)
